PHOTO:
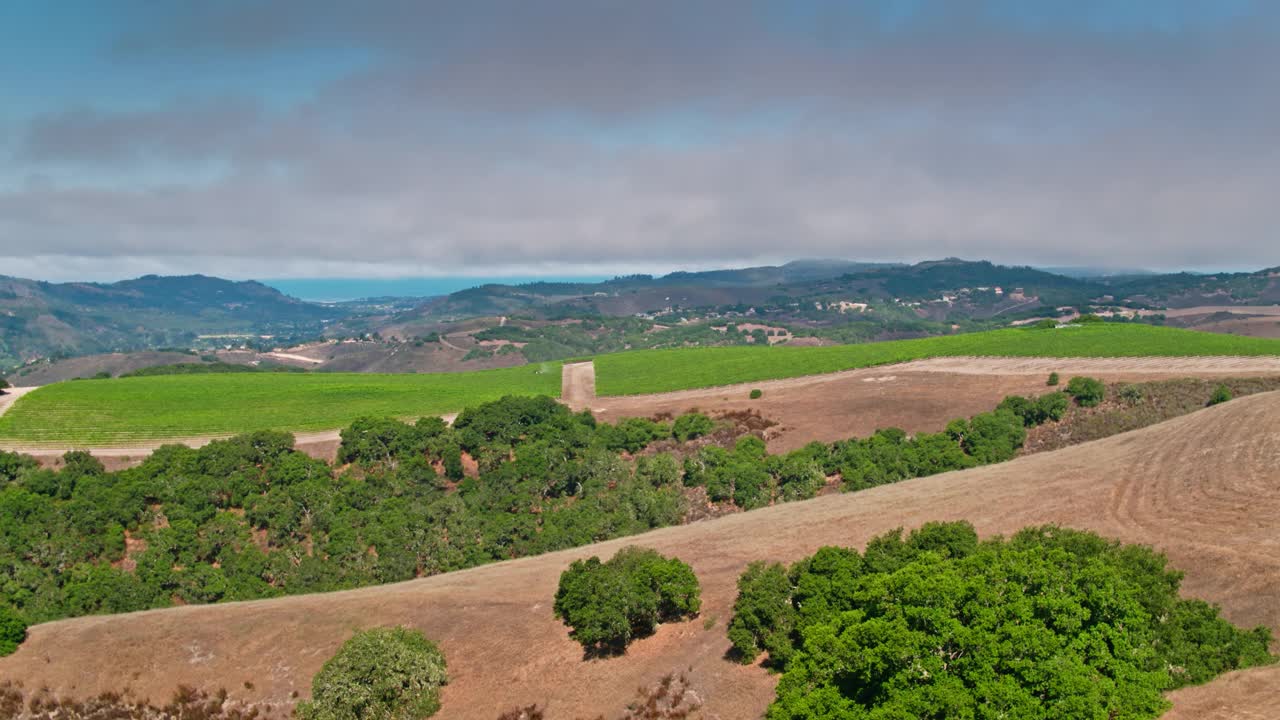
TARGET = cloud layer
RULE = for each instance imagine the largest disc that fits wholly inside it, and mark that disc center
(526, 137)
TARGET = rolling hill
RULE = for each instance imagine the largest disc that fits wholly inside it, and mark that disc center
(820, 300)
(1162, 486)
(39, 319)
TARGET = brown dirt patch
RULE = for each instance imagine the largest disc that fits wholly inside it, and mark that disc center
(1204, 488)
(578, 385)
(919, 396)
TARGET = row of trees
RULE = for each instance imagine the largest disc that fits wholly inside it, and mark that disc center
(250, 517)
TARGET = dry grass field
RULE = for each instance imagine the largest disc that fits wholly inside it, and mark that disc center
(918, 396)
(1204, 488)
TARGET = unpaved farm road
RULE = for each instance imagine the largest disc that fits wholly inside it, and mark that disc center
(578, 385)
(1203, 488)
(10, 396)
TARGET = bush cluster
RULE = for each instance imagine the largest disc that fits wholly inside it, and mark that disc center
(1087, 391)
(379, 674)
(608, 604)
(251, 517)
(1051, 623)
(1221, 394)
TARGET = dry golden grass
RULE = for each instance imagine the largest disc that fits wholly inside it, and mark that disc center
(1204, 488)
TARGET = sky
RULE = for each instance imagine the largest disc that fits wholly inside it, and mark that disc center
(401, 138)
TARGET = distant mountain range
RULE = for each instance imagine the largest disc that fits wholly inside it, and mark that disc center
(43, 320)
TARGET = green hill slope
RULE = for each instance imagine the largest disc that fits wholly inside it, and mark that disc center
(650, 371)
(123, 410)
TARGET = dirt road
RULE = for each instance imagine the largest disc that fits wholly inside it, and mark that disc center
(10, 396)
(578, 385)
(1204, 488)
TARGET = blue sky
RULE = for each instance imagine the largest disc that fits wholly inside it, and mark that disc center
(591, 137)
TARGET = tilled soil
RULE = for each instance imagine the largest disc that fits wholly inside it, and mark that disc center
(1204, 488)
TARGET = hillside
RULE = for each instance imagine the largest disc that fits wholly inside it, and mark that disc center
(40, 319)
(127, 410)
(813, 302)
(668, 370)
(1162, 486)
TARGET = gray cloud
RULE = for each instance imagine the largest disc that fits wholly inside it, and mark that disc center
(603, 135)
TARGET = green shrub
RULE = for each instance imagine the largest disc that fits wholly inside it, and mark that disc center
(691, 425)
(1221, 394)
(757, 394)
(1053, 379)
(993, 437)
(1131, 394)
(13, 629)
(607, 605)
(1047, 407)
(1052, 406)
(379, 674)
(763, 616)
(1051, 623)
(1087, 391)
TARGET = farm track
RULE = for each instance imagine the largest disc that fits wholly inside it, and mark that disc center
(1203, 488)
(578, 385)
(11, 396)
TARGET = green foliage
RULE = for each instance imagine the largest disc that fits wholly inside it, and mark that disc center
(13, 465)
(4, 384)
(205, 368)
(763, 615)
(13, 629)
(1130, 394)
(1087, 391)
(648, 371)
(1221, 394)
(185, 406)
(250, 517)
(607, 605)
(991, 437)
(756, 394)
(1051, 623)
(1048, 407)
(1053, 379)
(691, 425)
(379, 674)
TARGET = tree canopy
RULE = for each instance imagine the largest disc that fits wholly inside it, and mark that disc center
(1050, 623)
(379, 674)
(609, 604)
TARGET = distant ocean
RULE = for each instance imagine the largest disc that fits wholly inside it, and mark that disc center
(339, 289)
